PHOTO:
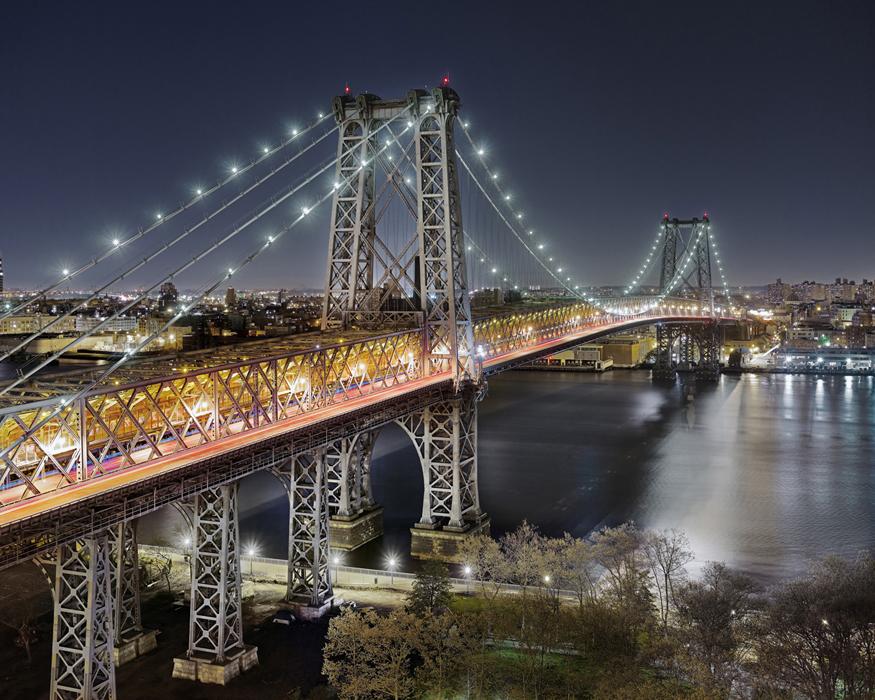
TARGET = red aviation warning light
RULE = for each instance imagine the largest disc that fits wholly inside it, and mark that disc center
(665, 216)
(346, 89)
(445, 81)
(705, 216)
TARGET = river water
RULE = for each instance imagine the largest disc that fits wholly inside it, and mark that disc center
(763, 472)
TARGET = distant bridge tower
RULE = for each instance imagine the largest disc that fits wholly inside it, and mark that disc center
(377, 281)
(686, 272)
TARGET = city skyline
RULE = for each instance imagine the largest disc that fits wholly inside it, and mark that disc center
(760, 120)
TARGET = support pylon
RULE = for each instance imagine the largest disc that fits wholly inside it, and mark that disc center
(309, 578)
(445, 437)
(216, 652)
(130, 639)
(82, 664)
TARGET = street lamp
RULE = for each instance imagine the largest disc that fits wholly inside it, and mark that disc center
(251, 552)
(391, 564)
(467, 572)
(335, 562)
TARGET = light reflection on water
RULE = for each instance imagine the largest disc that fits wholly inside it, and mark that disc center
(765, 472)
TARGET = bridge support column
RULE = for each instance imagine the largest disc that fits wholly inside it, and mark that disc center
(445, 436)
(82, 663)
(664, 369)
(216, 653)
(354, 517)
(130, 639)
(309, 581)
(710, 340)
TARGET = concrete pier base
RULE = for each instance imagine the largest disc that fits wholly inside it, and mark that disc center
(443, 543)
(130, 649)
(307, 612)
(351, 532)
(208, 670)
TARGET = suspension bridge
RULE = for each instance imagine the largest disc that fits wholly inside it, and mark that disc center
(419, 222)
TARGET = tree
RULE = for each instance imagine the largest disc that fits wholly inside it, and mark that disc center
(668, 553)
(524, 551)
(488, 563)
(619, 550)
(346, 656)
(714, 617)
(817, 635)
(576, 568)
(368, 655)
(431, 590)
(442, 646)
(26, 634)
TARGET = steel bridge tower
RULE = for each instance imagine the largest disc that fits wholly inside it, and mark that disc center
(374, 282)
(686, 272)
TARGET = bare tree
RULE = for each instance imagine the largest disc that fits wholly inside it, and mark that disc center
(817, 635)
(26, 634)
(714, 620)
(620, 552)
(668, 552)
(576, 567)
(431, 590)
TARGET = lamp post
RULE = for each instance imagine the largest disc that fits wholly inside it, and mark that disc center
(335, 561)
(391, 563)
(467, 572)
(251, 552)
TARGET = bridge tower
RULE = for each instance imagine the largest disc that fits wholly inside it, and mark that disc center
(377, 281)
(686, 272)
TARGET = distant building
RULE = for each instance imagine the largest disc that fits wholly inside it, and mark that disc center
(168, 296)
(231, 298)
(778, 291)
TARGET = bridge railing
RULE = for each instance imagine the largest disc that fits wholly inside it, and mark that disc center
(113, 427)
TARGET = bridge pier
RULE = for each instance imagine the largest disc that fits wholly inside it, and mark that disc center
(354, 517)
(216, 652)
(82, 636)
(130, 640)
(309, 587)
(697, 347)
(445, 436)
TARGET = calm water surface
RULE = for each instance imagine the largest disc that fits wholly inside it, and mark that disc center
(763, 472)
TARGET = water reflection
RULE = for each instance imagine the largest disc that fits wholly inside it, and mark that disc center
(763, 472)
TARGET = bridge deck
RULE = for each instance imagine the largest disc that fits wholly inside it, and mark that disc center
(116, 476)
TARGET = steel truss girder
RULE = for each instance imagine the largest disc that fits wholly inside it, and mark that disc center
(309, 577)
(445, 437)
(82, 637)
(215, 621)
(125, 581)
(131, 425)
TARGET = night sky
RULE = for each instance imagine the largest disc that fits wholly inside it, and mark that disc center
(602, 115)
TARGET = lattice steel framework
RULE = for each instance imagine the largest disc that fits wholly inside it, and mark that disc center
(686, 259)
(348, 474)
(350, 275)
(445, 437)
(118, 427)
(309, 579)
(215, 623)
(690, 347)
(438, 284)
(125, 581)
(82, 666)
